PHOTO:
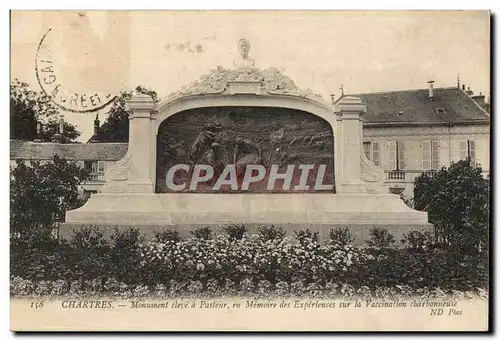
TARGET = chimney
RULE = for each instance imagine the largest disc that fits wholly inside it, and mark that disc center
(61, 124)
(38, 132)
(57, 138)
(463, 87)
(96, 125)
(431, 90)
(469, 91)
(333, 98)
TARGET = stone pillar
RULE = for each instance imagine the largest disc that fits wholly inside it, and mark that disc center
(142, 116)
(348, 112)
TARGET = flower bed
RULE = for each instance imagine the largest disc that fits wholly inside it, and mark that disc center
(235, 263)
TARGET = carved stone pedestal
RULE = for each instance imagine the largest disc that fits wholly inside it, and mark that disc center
(185, 212)
(361, 200)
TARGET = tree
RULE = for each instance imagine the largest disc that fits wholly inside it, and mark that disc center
(27, 108)
(116, 128)
(51, 127)
(40, 194)
(457, 201)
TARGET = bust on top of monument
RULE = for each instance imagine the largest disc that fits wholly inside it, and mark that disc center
(245, 62)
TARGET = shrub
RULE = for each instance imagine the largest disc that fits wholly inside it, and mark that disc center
(40, 194)
(87, 253)
(342, 235)
(204, 233)
(124, 261)
(88, 237)
(430, 268)
(306, 236)
(167, 236)
(126, 240)
(271, 232)
(380, 238)
(457, 201)
(235, 232)
(417, 240)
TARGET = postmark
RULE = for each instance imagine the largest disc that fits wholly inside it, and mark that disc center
(61, 93)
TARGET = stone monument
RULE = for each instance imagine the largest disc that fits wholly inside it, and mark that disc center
(358, 199)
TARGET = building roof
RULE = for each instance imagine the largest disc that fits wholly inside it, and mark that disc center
(15, 146)
(413, 106)
(71, 151)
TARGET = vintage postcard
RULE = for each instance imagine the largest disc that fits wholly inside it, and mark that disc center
(250, 170)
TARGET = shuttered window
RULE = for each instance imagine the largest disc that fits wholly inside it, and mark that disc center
(435, 155)
(472, 152)
(392, 162)
(401, 155)
(430, 155)
(467, 149)
(376, 153)
(463, 149)
(397, 159)
(426, 155)
(372, 151)
(367, 149)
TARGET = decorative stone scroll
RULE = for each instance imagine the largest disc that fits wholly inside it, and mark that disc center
(120, 170)
(372, 175)
(117, 175)
(217, 81)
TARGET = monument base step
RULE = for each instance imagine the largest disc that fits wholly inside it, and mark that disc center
(185, 212)
(360, 232)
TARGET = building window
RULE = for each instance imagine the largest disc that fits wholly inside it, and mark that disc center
(101, 167)
(96, 169)
(467, 149)
(396, 155)
(372, 152)
(430, 157)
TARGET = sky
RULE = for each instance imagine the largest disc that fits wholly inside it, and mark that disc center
(99, 52)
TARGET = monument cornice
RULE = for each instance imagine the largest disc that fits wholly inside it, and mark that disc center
(250, 81)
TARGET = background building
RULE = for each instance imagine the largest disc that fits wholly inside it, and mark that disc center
(413, 131)
(405, 132)
(96, 157)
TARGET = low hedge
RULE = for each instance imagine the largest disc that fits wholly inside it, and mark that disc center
(26, 288)
(235, 262)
